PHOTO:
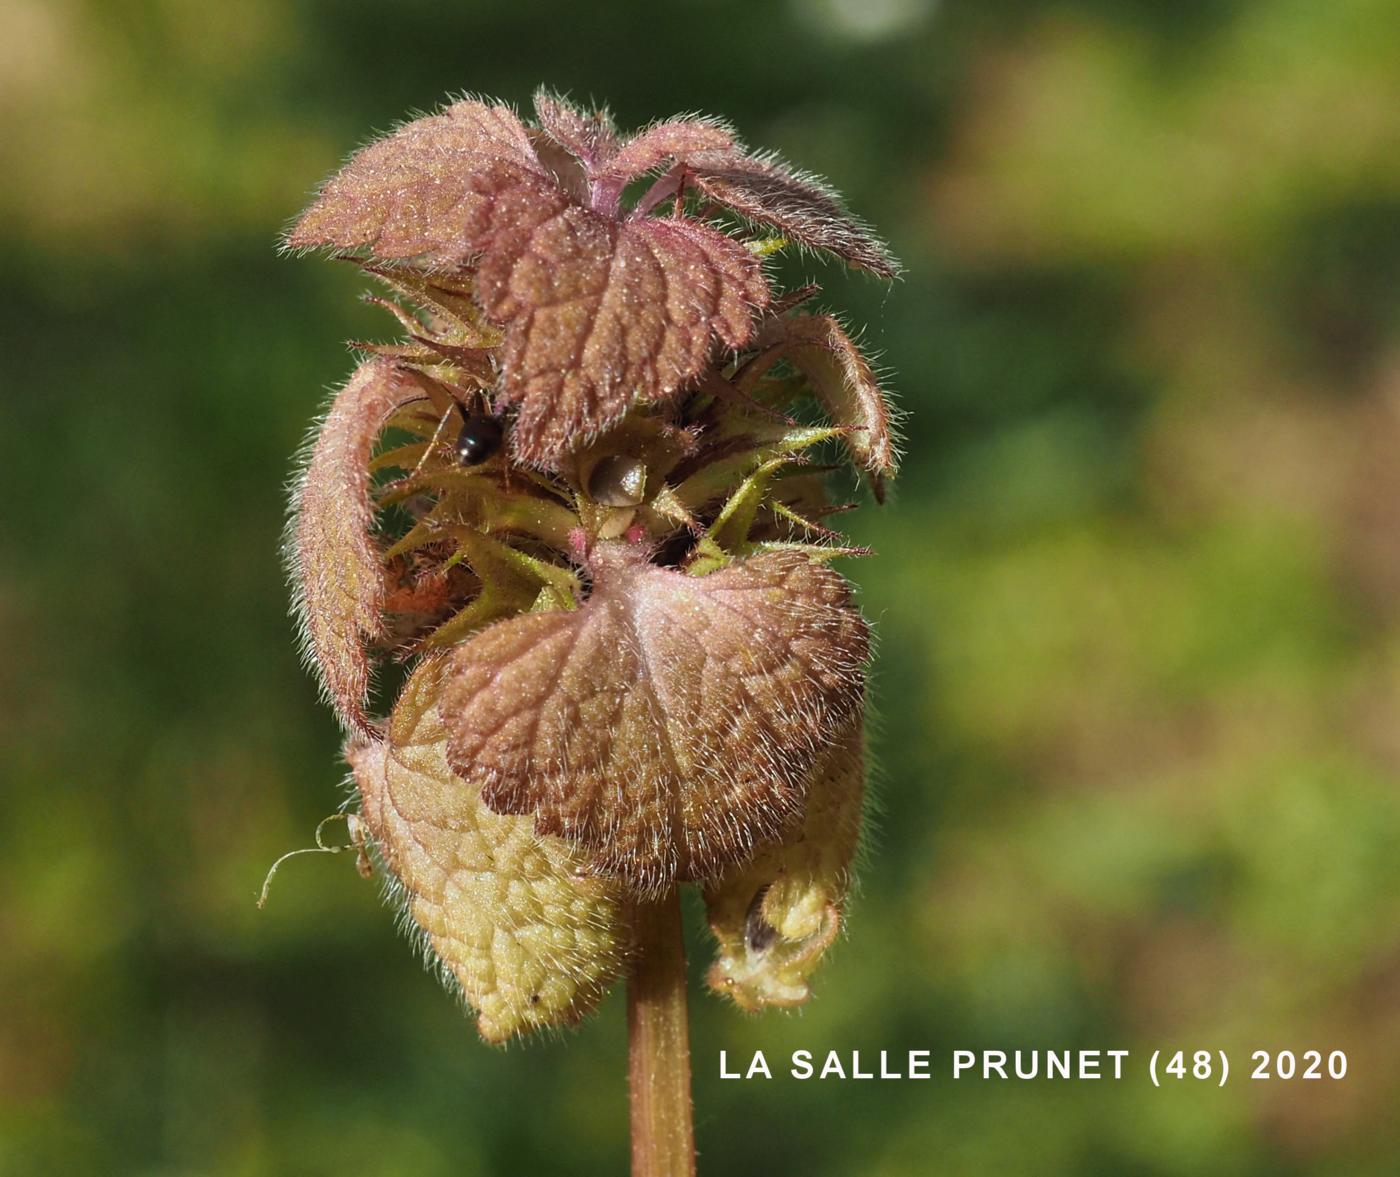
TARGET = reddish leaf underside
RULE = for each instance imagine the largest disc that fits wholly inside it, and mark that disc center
(669, 724)
(339, 574)
(801, 208)
(675, 139)
(842, 379)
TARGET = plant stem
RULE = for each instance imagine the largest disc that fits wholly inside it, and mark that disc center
(658, 1044)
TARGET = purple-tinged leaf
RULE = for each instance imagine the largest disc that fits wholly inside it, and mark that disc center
(432, 189)
(589, 138)
(599, 314)
(669, 724)
(798, 205)
(675, 139)
(842, 380)
(338, 574)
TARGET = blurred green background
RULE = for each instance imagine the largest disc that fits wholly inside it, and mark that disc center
(1138, 594)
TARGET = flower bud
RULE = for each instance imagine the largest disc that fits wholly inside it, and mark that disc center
(775, 917)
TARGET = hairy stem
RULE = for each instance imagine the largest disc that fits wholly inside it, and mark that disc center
(663, 1134)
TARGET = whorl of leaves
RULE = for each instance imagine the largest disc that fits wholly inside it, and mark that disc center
(600, 308)
(605, 553)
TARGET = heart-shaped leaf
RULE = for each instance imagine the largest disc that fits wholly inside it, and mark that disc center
(668, 726)
(602, 313)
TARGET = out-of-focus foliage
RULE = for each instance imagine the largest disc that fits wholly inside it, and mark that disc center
(1138, 594)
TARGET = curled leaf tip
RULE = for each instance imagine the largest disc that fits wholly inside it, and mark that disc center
(803, 208)
(338, 571)
(845, 384)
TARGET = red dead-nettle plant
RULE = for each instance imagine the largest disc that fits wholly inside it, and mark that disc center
(583, 502)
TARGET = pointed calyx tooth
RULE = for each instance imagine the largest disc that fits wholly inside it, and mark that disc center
(775, 917)
(508, 913)
(338, 574)
(668, 727)
(597, 312)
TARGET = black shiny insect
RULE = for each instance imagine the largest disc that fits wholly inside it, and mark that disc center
(479, 439)
(759, 934)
